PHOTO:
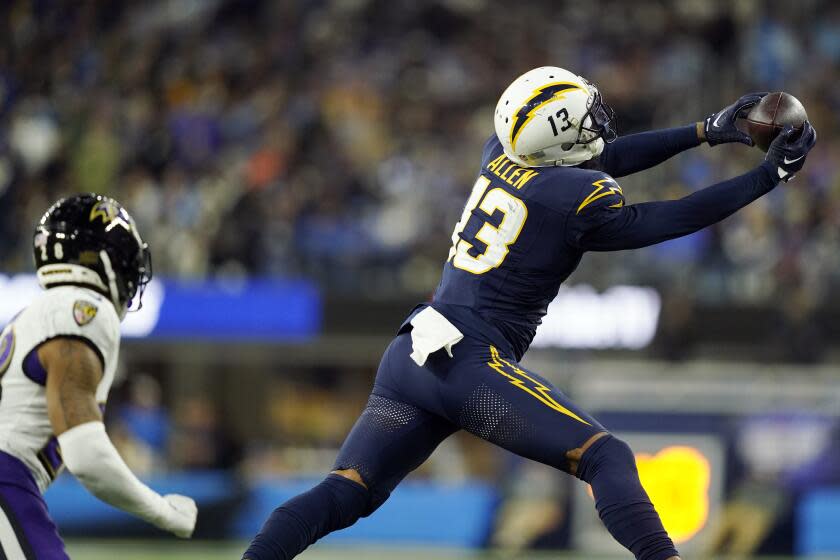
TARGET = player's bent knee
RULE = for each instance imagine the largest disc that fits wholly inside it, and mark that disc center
(623, 452)
(349, 498)
(573, 456)
(606, 453)
(377, 492)
(334, 504)
(351, 474)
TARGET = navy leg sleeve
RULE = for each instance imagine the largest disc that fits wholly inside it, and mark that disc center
(623, 505)
(390, 439)
(334, 504)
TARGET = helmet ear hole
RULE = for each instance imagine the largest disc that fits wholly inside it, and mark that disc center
(566, 146)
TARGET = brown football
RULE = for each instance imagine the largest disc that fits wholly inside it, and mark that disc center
(767, 118)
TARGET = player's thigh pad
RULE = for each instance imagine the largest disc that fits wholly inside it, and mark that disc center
(389, 440)
(498, 400)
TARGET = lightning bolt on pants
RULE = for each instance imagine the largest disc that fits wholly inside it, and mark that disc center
(412, 409)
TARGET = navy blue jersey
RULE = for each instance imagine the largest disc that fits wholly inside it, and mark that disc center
(516, 241)
(524, 230)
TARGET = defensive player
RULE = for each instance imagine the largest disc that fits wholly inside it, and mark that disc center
(57, 362)
(546, 193)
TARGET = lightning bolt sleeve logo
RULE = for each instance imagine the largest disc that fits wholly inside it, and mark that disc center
(602, 190)
(520, 378)
(540, 97)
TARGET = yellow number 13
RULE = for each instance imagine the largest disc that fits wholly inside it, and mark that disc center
(498, 239)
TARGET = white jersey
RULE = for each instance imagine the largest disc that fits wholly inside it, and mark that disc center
(25, 429)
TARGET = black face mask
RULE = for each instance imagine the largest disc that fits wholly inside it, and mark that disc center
(599, 120)
(135, 302)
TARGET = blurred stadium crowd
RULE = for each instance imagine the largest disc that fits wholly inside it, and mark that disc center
(337, 139)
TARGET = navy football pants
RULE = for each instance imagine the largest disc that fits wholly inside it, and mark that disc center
(413, 409)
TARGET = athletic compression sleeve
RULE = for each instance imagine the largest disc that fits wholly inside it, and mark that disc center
(637, 152)
(89, 454)
(606, 224)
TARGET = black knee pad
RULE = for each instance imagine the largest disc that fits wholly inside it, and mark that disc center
(377, 498)
(377, 492)
(350, 500)
(608, 452)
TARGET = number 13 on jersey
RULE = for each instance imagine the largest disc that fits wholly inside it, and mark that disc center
(482, 204)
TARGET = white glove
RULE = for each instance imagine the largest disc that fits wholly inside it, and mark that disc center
(177, 515)
(90, 455)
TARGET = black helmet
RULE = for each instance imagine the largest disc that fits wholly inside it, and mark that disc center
(90, 239)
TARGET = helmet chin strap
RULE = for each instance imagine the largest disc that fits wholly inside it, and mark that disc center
(58, 273)
(112, 283)
(585, 152)
(578, 154)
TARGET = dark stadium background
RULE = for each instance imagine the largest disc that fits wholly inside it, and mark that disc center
(297, 168)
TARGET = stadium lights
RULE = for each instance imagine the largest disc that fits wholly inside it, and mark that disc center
(620, 317)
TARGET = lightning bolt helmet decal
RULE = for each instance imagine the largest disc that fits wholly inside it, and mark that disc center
(540, 97)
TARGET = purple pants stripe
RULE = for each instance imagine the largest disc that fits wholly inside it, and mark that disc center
(24, 508)
(13, 541)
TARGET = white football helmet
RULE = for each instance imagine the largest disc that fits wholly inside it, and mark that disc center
(550, 116)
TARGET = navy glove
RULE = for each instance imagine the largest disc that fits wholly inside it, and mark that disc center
(787, 151)
(719, 128)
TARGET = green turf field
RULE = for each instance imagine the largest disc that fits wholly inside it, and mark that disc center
(145, 550)
(139, 550)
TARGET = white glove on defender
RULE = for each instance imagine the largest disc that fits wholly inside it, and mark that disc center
(92, 458)
(177, 515)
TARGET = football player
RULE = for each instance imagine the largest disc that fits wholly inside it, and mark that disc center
(546, 194)
(57, 362)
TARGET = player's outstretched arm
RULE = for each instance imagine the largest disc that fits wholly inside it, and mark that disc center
(73, 373)
(606, 224)
(637, 152)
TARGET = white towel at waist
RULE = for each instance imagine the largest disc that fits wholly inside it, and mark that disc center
(432, 331)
